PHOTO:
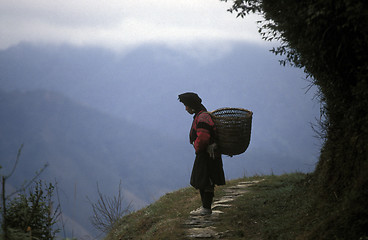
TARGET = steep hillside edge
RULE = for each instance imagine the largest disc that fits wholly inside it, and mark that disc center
(279, 207)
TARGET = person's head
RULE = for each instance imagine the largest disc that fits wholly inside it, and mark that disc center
(192, 102)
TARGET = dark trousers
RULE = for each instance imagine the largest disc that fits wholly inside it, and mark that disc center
(207, 197)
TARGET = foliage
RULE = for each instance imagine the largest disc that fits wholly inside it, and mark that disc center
(16, 234)
(328, 38)
(108, 210)
(279, 207)
(160, 220)
(33, 213)
(29, 215)
(275, 208)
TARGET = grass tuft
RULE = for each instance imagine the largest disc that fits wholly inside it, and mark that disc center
(279, 207)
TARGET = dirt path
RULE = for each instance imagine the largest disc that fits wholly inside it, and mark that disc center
(202, 226)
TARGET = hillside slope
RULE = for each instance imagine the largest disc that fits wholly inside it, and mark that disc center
(278, 207)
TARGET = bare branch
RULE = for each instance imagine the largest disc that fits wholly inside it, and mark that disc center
(29, 183)
(16, 162)
(108, 210)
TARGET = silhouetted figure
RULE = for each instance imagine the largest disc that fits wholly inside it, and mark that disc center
(207, 169)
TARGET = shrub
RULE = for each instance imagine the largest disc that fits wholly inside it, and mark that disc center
(32, 214)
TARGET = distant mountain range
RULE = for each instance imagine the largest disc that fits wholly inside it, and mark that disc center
(84, 147)
(100, 117)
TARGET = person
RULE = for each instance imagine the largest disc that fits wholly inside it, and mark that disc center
(207, 168)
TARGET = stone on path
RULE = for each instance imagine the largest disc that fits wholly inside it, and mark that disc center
(202, 226)
(207, 232)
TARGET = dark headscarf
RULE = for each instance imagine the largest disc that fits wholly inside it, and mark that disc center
(191, 100)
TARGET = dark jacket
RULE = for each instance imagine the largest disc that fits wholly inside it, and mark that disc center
(206, 170)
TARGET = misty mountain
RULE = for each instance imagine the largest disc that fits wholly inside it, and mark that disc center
(141, 86)
(99, 116)
(84, 147)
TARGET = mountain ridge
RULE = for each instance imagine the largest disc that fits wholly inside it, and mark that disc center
(89, 93)
(86, 144)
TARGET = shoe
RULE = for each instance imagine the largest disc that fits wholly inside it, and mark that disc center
(201, 212)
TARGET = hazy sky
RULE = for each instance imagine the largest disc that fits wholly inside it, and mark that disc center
(123, 24)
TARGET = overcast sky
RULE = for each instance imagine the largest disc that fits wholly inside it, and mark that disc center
(123, 24)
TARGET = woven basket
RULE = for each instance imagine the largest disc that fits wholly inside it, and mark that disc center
(233, 128)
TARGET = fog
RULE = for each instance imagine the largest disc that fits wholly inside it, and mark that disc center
(95, 96)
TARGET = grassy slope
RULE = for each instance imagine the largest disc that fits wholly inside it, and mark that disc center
(277, 208)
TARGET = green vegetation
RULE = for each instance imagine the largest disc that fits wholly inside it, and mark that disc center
(274, 209)
(280, 207)
(328, 39)
(160, 220)
(29, 215)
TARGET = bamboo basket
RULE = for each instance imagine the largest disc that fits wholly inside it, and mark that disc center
(233, 128)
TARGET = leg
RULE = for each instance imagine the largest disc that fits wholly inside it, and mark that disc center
(207, 199)
(201, 192)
